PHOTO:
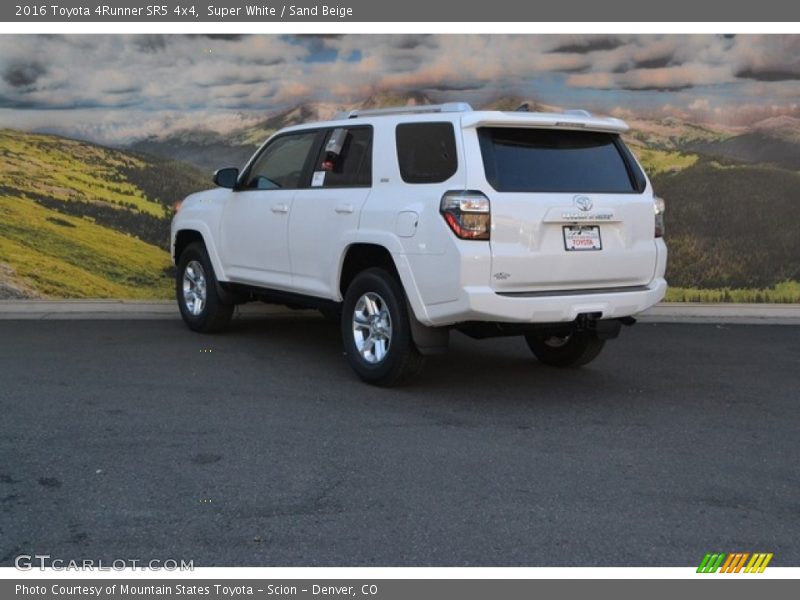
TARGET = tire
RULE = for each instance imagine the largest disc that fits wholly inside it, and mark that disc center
(197, 294)
(574, 350)
(376, 332)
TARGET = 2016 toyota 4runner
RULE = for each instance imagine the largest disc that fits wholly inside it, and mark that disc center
(407, 223)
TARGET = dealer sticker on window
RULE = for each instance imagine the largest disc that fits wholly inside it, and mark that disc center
(318, 180)
(582, 237)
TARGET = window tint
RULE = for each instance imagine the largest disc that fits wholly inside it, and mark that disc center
(426, 152)
(551, 160)
(281, 164)
(352, 167)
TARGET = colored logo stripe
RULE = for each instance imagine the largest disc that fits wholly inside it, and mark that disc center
(734, 562)
(758, 563)
(711, 563)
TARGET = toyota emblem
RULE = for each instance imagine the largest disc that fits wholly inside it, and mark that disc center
(583, 202)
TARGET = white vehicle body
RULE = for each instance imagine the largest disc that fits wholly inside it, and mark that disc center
(405, 223)
(296, 240)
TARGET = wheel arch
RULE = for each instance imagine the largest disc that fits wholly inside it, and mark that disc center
(189, 233)
(183, 238)
(361, 255)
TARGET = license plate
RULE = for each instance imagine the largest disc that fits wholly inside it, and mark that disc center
(582, 237)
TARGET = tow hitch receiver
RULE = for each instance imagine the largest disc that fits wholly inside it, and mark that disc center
(604, 329)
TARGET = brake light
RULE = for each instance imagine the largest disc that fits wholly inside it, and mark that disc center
(467, 213)
(658, 207)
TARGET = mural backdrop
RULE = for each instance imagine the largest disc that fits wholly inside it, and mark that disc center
(101, 136)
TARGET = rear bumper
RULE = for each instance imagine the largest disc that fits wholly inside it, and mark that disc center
(481, 303)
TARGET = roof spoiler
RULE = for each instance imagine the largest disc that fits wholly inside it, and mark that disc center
(569, 119)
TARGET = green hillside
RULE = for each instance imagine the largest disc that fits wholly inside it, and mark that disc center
(756, 147)
(79, 220)
(673, 134)
(65, 169)
(656, 162)
(731, 226)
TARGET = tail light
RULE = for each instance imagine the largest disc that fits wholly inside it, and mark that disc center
(467, 213)
(658, 207)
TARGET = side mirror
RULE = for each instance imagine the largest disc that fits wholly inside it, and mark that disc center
(226, 177)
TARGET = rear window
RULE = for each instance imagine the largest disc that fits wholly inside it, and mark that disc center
(426, 152)
(552, 160)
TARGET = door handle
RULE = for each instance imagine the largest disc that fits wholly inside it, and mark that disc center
(343, 209)
(280, 208)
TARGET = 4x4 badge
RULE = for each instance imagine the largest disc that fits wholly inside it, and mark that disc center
(583, 202)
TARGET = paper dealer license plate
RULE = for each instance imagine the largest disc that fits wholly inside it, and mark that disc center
(582, 237)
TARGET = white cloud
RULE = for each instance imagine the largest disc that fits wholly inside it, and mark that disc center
(170, 81)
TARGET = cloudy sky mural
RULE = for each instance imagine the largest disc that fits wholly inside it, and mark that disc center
(118, 88)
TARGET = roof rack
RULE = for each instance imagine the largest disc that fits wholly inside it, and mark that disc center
(447, 107)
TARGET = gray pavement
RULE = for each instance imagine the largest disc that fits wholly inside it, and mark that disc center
(139, 439)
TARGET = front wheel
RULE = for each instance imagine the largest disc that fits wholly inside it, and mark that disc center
(573, 350)
(201, 306)
(376, 330)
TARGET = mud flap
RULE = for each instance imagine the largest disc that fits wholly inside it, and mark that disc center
(428, 340)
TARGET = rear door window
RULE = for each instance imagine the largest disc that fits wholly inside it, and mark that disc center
(557, 160)
(426, 152)
(351, 165)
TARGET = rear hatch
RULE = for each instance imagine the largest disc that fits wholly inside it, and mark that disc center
(568, 209)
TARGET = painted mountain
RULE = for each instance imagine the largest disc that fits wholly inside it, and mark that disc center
(210, 150)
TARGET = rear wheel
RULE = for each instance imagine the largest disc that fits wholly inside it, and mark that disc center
(572, 350)
(376, 330)
(196, 290)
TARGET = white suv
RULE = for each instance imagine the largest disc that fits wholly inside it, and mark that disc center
(406, 223)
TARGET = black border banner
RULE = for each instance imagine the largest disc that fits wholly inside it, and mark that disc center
(731, 587)
(465, 11)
